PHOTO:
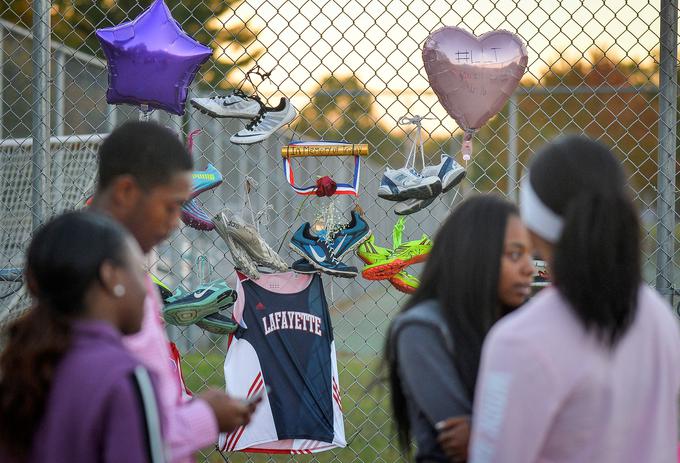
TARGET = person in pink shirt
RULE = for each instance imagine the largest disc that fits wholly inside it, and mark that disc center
(589, 369)
(144, 177)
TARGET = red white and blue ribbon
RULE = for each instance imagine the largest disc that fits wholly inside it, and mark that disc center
(342, 188)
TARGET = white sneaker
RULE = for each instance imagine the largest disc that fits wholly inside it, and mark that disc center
(236, 104)
(402, 184)
(246, 236)
(265, 123)
(448, 170)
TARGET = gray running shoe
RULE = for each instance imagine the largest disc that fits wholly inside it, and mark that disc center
(448, 170)
(265, 123)
(245, 236)
(242, 260)
(235, 104)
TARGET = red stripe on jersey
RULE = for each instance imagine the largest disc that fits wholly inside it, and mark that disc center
(254, 383)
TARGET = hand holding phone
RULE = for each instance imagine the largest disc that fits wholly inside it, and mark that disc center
(258, 396)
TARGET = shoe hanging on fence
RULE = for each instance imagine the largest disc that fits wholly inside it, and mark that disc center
(448, 171)
(195, 216)
(192, 213)
(267, 121)
(186, 308)
(401, 256)
(372, 254)
(218, 323)
(343, 239)
(204, 180)
(416, 190)
(236, 104)
(319, 253)
(350, 236)
(251, 248)
(407, 183)
(163, 289)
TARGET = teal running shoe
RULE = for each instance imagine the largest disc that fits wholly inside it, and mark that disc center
(218, 323)
(204, 180)
(187, 308)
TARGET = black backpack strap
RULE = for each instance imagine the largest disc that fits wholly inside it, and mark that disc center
(151, 413)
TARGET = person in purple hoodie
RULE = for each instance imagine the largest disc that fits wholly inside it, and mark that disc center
(69, 390)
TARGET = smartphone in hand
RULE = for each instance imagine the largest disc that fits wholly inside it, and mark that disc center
(257, 396)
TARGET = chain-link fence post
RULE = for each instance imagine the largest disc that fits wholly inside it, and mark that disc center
(40, 128)
(512, 148)
(668, 93)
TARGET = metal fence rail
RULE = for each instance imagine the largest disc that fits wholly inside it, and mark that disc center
(608, 69)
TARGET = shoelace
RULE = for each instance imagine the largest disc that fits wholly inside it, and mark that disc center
(417, 142)
(397, 232)
(330, 255)
(260, 116)
(237, 92)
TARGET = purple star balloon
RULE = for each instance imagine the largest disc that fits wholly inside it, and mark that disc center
(151, 60)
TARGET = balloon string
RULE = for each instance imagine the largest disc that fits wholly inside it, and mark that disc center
(144, 112)
(466, 147)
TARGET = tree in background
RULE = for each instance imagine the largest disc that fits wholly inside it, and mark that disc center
(75, 21)
(341, 108)
(627, 121)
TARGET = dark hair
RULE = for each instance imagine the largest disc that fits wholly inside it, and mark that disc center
(63, 261)
(596, 261)
(461, 274)
(149, 152)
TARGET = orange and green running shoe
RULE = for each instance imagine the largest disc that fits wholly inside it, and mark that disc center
(405, 282)
(371, 254)
(409, 253)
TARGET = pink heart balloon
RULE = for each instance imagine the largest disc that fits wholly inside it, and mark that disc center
(473, 77)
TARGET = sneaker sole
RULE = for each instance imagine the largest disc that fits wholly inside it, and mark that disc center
(235, 139)
(188, 314)
(401, 286)
(391, 268)
(419, 192)
(234, 115)
(359, 242)
(217, 328)
(321, 268)
(452, 179)
(396, 282)
(202, 190)
(415, 208)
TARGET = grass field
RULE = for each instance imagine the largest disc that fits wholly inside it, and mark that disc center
(367, 422)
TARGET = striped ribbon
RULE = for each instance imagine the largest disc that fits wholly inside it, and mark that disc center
(343, 188)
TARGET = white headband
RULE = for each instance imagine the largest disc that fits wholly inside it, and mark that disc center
(538, 217)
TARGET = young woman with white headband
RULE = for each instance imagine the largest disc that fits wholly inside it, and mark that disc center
(589, 370)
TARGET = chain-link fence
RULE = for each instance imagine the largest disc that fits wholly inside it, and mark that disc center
(352, 69)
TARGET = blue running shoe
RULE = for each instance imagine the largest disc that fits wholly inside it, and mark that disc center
(302, 266)
(319, 254)
(448, 170)
(204, 180)
(351, 236)
(185, 308)
(402, 184)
